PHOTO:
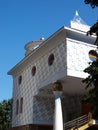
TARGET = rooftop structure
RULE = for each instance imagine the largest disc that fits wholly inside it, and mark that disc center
(79, 24)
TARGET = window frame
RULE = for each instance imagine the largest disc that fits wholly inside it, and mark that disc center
(51, 59)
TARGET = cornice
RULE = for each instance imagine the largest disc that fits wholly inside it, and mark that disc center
(49, 43)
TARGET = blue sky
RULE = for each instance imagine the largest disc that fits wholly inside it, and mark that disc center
(22, 21)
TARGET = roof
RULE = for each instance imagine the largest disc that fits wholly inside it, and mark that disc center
(27, 58)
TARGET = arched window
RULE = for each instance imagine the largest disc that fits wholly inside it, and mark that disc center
(50, 59)
(20, 79)
(21, 105)
(33, 71)
(17, 107)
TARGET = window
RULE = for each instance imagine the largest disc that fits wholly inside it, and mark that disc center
(20, 79)
(21, 105)
(17, 106)
(51, 59)
(33, 70)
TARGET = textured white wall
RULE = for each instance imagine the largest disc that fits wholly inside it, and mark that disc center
(43, 110)
(40, 109)
(77, 57)
(31, 84)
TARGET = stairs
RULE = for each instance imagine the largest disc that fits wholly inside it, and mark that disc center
(80, 123)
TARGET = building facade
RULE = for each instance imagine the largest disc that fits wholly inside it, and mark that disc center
(63, 56)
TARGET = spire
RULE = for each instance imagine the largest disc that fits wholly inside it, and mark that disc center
(78, 23)
(78, 19)
(77, 13)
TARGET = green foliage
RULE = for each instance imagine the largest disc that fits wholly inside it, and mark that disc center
(92, 70)
(93, 3)
(94, 28)
(89, 96)
(5, 114)
(92, 80)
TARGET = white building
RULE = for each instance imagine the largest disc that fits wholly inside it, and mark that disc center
(63, 56)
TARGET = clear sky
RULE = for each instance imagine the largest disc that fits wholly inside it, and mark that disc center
(22, 21)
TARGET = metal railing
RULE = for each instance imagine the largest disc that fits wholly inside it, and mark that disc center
(78, 122)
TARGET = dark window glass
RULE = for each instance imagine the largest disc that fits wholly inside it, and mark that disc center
(51, 59)
(17, 106)
(20, 79)
(21, 105)
(33, 70)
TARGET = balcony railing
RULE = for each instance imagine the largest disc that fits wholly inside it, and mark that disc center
(78, 122)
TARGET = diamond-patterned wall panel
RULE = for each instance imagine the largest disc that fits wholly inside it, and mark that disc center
(77, 55)
(30, 85)
(44, 71)
(43, 110)
(38, 109)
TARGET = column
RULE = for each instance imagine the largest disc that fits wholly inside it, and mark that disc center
(58, 118)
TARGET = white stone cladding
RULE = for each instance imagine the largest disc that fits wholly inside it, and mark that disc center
(31, 84)
(43, 110)
(70, 49)
(78, 23)
(79, 26)
(77, 57)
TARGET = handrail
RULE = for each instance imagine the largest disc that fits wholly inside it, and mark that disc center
(76, 123)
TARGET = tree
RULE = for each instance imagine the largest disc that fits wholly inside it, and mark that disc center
(94, 28)
(93, 3)
(92, 69)
(5, 114)
(92, 80)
